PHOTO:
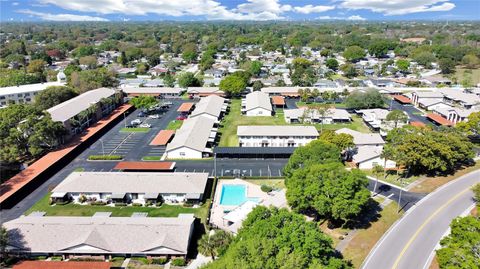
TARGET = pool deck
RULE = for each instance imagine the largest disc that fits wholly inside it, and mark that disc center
(276, 198)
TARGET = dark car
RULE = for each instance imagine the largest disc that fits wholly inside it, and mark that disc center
(142, 114)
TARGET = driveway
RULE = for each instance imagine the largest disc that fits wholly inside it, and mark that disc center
(410, 242)
(413, 113)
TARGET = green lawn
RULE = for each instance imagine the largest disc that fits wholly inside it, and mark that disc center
(151, 158)
(392, 178)
(135, 130)
(125, 211)
(235, 118)
(356, 124)
(174, 125)
(274, 183)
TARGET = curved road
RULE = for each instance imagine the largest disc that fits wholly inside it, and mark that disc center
(410, 241)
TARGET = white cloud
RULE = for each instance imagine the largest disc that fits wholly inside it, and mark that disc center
(356, 18)
(60, 17)
(211, 9)
(398, 7)
(313, 9)
(351, 18)
(15, 3)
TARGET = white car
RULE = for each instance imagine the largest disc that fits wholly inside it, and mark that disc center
(136, 122)
(144, 125)
(154, 116)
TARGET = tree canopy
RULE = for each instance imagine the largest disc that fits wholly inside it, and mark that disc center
(233, 85)
(53, 96)
(278, 239)
(397, 116)
(143, 101)
(354, 53)
(188, 79)
(365, 99)
(342, 141)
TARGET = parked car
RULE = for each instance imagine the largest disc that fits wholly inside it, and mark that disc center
(145, 125)
(181, 118)
(142, 114)
(154, 116)
(136, 122)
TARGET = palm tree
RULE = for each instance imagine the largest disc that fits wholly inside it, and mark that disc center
(207, 246)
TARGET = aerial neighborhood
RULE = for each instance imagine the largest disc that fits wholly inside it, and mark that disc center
(301, 144)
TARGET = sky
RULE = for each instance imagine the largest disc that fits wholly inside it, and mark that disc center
(237, 10)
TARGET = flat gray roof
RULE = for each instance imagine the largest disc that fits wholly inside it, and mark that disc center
(68, 109)
(28, 88)
(193, 134)
(101, 235)
(210, 105)
(132, 182)
(152, 90)
(276, 130)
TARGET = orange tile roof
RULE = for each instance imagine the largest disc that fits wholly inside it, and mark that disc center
(145, 166)
(162, 138)
(185, 107)
(22, 179)
(417, 124)
(61, 265)
(439, 119)
(278, 100)
(402, 99)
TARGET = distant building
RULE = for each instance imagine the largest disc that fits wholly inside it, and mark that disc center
(301, 115)
(100, 237)
(276, 135)
(204, 91)
(160, 92)
(23, 94)
(257, 104)
(212, 106)
(376, 118)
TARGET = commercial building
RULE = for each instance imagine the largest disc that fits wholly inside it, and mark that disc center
(131, 187)
(276, 136)
(301, 115)
(257, 104)
(98, 236)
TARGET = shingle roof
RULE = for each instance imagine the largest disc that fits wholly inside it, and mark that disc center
(193, 134)
(276, 130)
(72, 107)
(210, 105)
(133, 182)
(101, 235)
(257, 100)
(365, 153)
(362, 138)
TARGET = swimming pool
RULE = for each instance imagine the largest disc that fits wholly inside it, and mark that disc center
(234, 194)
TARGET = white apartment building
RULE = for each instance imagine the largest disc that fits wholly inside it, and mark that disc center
(23, 93)
(377, 119)
(276, 135)
(301, 115)
(257, 104)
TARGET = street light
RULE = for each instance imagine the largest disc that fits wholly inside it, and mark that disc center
(124, 119)
(103, 148)
(215, 164)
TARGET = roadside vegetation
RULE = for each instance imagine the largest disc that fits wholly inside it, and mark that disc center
(135, 130)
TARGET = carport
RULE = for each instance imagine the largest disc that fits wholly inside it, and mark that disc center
(439, 120)
(402, 99)
(145, 166)
(162, 138)
(253, 152)
(185, 108)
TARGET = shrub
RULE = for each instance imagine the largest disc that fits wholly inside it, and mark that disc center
(159, 203)
(148, 203)
(159, 261)
(141, 259)
(178, 262)
(136, 204)
(266, 188)
(57, 258)
(98, 203)
(188, 204)
(105, 157)
(120, 204)
(82, 198)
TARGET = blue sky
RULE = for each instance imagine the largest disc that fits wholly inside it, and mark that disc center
(187, 10)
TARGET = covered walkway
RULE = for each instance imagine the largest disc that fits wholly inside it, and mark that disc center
(439, 120)
(254, 152)
(162, 138)
(145, 166)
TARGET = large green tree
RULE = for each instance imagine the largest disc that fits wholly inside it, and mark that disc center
(342, 141)
(472, 126)
(279, 239)
(354, 53)
(188, 79)
(143, 101)
(53, 96)
(214, 245)
(314, 152)
(233, 85)
(329, 190)
(365, 99)
(397, 116)
(92, 79)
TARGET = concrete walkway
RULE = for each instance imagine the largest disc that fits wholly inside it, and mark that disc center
(198, 262)
(125, 263)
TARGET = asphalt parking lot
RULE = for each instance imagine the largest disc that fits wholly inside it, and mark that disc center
(413, 113)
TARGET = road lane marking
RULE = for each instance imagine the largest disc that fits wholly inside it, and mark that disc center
(397, 261)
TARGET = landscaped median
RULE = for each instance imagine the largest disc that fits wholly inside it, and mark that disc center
(135, 130)
(105, 157)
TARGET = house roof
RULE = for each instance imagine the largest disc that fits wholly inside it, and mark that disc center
(185, 107)
(144, 165)
(72, 107)
(61, 265)
(417, 124)
(257, 100)
(28, 88)
(210, 105)
(428, 94)
(152, 90)
(278, 100)
(193, 134)
(276, 130)
(377, 113)
(439, 119)
(430, 101)
(204, 90)
(362, 138)
(402, 99)
(101, 235)
(133, 182)
(162, 138)
(365, 153)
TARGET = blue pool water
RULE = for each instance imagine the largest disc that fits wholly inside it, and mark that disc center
(234, 195)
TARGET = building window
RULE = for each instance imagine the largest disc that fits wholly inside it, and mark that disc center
(134, 196)
(182, 153)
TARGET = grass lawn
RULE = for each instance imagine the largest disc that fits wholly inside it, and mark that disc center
(125, 211)
(475, 75)
(429, 184)
(79, 169)
(135, 130)
(174, 125)
(235, 118)
(364, 240)
(151, 158)
(356, 124)
(392, 178)
(274, 183)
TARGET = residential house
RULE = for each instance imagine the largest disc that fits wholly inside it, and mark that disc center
(204, 91)
(425, 99)
(212, 106)
(377, 120)
(276, 135)
(100, 237)
(257, 104)
(302, 115)
(132, 187)
(363, 139)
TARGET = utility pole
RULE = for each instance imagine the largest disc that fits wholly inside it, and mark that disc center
(124, 119)
(103, 148)
(215, 164)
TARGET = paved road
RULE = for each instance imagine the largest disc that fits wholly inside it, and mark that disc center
(410, 242)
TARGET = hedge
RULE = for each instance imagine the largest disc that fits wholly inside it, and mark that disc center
(159, 260)
(178, 262)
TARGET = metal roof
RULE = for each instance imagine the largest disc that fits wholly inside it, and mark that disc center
(254, 150)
